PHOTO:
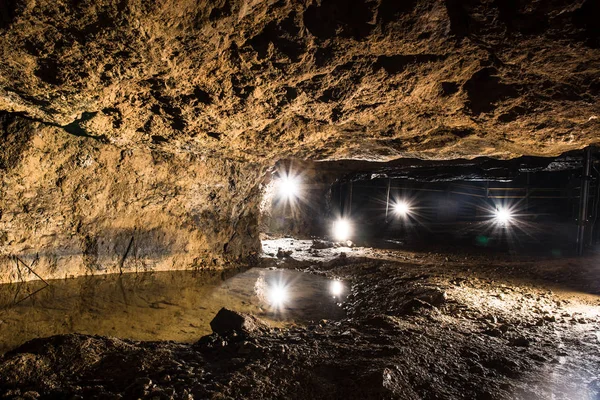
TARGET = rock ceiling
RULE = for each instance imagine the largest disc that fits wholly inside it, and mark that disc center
(254, 80)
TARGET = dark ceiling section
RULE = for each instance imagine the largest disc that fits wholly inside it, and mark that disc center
(478, 169)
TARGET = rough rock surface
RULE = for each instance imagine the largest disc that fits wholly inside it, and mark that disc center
(374, 79)
(80, 207)
(137, 132)
(227, 321)
(471, 345)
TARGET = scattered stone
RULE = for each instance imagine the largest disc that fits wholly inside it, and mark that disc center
(520, 341)
(246, 348)
(284, 253)
(321, 244)
(495, 332)
(413, 306)
(227, 321)
(549, 318)
(139, 388)
(436, 297)
(538, 357)
(384, 322)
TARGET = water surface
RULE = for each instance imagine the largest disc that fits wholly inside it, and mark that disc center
(175, 305)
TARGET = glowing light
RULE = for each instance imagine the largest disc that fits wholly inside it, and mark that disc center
(278, 295)
(503, 216)
(402, 208)
(289, 186)
(342, 230)
(336, 288)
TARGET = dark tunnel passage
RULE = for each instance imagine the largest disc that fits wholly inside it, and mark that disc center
(526, 205)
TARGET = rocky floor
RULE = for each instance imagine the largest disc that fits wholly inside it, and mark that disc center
(422, 326)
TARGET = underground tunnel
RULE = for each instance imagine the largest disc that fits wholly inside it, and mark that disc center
(320, 199)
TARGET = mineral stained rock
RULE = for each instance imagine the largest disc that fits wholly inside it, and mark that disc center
(135, 133)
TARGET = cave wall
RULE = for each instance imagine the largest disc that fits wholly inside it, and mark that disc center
(155, 120)
(327, 79)
(79, 204)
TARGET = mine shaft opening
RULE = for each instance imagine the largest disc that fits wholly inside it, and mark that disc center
(542, 206)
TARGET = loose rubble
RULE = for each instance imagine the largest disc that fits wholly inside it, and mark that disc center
(421, 329)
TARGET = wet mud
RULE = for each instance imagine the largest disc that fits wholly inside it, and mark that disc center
(425, 326)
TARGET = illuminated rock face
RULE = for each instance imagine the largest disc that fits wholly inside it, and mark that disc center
(362, 79)
(180, 105)
(85, 207)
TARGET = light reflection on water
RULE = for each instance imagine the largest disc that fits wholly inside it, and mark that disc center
(175, 305)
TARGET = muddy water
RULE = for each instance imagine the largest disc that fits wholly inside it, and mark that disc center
(162, 305)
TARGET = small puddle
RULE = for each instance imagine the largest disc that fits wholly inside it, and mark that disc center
(162, 305)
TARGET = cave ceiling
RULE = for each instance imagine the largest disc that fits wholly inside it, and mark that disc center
(335, 79)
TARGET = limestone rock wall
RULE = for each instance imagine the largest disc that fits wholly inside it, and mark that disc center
(85, 207)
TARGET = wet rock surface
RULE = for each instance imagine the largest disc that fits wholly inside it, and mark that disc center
(544, 343)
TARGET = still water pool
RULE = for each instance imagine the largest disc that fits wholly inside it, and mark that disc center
(162, 305)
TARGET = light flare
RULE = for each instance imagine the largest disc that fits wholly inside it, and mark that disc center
(342, 229)
(336, 288)
(402, 208)
(277, 295)
(289, 186)
(503, 216)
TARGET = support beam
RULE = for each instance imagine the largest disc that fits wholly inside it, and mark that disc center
(350, 202)
(387, 199)
(583, 199)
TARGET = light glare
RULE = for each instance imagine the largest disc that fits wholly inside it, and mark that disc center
(278, 295)
(503, 216)
(401, 208)
(341, 230)
(336, 288)
(289, 187)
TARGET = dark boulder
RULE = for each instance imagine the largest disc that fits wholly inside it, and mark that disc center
(227, 321)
